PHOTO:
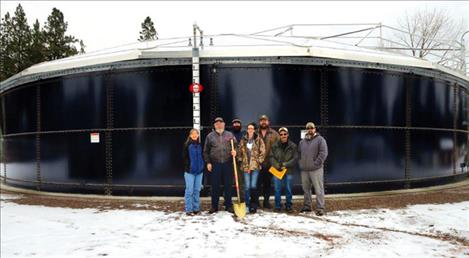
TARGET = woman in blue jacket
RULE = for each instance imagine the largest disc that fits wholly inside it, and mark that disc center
(193, 168)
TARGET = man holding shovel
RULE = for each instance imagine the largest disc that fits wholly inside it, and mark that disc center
(218, 155)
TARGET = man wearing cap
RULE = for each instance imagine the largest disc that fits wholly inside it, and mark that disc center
(217, 155)
(312, 153)
(237, 129)
(269, 136)
(284, 155)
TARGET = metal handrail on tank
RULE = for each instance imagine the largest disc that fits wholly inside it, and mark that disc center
(374, 36)
(450, 53)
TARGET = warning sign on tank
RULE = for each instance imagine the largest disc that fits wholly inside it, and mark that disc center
(94, 137)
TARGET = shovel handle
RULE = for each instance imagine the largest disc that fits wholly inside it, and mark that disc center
(235, 171)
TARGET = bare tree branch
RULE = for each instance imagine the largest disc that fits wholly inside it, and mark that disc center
(429, 30)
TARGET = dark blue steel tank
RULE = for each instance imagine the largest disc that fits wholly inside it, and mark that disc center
(387, 127)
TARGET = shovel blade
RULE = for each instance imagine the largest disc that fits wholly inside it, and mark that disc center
(239, 209)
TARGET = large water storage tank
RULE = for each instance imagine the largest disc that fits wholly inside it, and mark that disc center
(114, 121)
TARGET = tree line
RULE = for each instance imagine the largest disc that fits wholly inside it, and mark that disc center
(22, 46)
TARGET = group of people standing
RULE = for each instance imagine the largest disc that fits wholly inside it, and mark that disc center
(258, 150)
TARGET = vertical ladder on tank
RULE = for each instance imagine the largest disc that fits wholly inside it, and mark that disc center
(196, 79)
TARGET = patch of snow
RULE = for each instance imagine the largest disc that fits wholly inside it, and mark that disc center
(424, 218)
(4, 196)
(28, 231)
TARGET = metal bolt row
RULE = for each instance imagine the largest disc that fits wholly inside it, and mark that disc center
(38, 137)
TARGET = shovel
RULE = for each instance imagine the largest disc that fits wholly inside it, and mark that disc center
(238, 207)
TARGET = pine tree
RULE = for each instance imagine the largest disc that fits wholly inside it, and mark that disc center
(20, 40)
(21, 46)
(37, 51)
(58, 44)
(148, 31)
(7, 67)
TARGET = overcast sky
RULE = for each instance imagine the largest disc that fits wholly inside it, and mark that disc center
(110, 23)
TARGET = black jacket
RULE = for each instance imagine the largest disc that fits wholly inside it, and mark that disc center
(239, 135)
(287, 157)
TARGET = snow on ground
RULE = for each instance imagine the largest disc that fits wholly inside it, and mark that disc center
(416, 231)
(10, 196)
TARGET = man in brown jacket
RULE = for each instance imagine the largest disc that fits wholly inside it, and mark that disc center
(269, 136)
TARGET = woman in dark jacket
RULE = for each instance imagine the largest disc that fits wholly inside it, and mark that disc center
(193, 168)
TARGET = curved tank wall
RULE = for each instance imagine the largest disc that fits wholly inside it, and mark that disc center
(385, 129)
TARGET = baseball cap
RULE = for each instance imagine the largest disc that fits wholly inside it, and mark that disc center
(218, 119)
(283, 129)
(310, 125)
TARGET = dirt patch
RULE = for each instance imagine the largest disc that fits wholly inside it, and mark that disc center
(401, 200)
(374, 202)
(99, 204)
(328, 238)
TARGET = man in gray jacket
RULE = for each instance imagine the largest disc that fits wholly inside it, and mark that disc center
(312, 152)
(218, 157)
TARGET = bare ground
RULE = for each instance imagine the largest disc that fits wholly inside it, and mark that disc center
(394, 201)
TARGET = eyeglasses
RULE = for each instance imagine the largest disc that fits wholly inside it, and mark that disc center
(283, 134)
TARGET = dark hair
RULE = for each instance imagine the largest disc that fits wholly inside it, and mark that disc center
(253, 124)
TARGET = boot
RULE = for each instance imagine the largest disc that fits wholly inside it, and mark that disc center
(213, 210)
(267, 204)
(320, 212)
(229, 209)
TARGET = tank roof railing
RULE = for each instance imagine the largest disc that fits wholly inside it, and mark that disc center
(373, 36)
(449, 53)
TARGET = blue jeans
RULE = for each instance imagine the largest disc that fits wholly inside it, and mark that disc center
(192, 193)
(250, 188)
(286, 180)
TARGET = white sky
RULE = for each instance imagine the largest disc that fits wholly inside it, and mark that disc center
(111, 23)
